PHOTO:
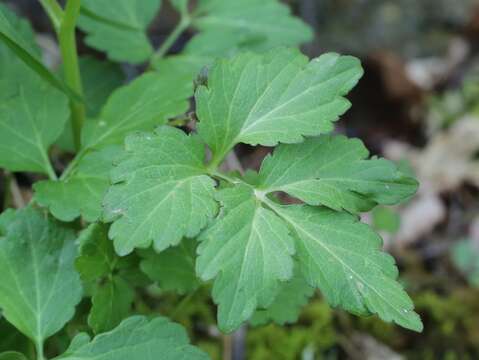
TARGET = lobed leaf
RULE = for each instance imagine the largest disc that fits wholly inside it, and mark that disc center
(227, 27)
(136, 338)
(249, 251)
(32, 112)
(160, 192)
(120, 30)
(268, 20)
(39, 287)
(271, 98)
(81, 193)
(342, 257)
(334, 171)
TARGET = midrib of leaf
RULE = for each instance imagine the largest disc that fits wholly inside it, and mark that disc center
(41, 147)
(252, 230)
(38, 337)
(278, 211)
(172, 192)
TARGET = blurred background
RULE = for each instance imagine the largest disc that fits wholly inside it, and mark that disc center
(418, 104)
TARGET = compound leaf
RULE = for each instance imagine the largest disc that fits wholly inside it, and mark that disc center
(249, 251)
(136, 338)
(343, 258)
(148, 101)
(160, 192)
(285, 309)
(174, 268)
(82, 192)
(120, 30)
(111, 303)
(39, 287)
(271, 98)
(333, 171)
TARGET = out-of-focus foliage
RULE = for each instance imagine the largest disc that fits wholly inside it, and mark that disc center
(465, 257)
(409, 27)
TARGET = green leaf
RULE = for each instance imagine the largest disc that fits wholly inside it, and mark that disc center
(343, 258)
(82, 192)
(174, 268)
(23, 30)
(96, 255)
(27, 52)
(271, 98)
(285, 309)
(39, 287)
(268, 20)
(12, 355)
(111, 303)
(148, 101)
(136, 338)
(100, 79)
(333, 171)
(121, 29)
(160, 192)
(6, 218)
(249, 251)
(30, 122)
(32, 113)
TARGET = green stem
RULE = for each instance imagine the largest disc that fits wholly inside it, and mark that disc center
(73, 164)
(182, 303)
(51, 172)
(71, 68)
(171, 39)
(54, 12)
(39, 350)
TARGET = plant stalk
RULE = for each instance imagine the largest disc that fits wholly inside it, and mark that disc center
(54, 12)
(39, 350)
(71, 67)
(171, 39)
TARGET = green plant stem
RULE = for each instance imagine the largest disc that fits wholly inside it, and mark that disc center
(39, 350)
(71, 68)
(171, 39)
(183, 303)
(73, 164)
(54, 12)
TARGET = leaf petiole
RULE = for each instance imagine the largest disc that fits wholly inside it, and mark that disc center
(69, 53)
(171, 39)
(54, 12)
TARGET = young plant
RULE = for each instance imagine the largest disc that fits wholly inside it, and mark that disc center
(144, 202)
